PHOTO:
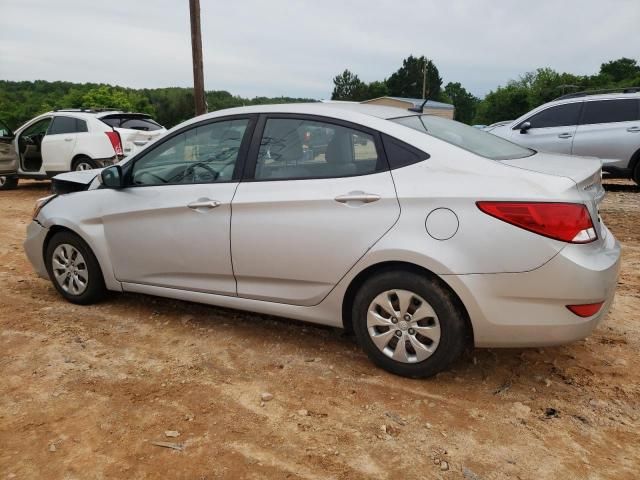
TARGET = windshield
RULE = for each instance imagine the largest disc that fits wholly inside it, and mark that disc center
(466, 137)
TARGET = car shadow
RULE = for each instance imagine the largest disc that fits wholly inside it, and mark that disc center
(621, 187)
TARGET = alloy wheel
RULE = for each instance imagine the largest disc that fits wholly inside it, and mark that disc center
(403, 326)
(70, 269)
(83, 166)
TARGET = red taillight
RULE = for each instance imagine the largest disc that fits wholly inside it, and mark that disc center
(586, 310)
(569, 222)
(114, 138)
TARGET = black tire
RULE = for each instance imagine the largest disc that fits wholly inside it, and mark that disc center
(8, 183)
(94, 289)
(83, 160)
(636, 173)
(453, 328)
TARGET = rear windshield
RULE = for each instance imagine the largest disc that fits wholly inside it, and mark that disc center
(133, 122)
(471, 139)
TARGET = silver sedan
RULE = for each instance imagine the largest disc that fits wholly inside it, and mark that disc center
(421, 235)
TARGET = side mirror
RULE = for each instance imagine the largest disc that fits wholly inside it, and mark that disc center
(111, 177)
(524, 128)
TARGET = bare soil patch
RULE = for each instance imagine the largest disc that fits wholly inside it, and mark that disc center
(86, 391)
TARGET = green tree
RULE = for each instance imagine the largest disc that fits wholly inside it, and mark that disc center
(504, 103)
(106, 97)
(376, 89)
(408, 80)
(621, 69)
(464, 102)
(347, 86)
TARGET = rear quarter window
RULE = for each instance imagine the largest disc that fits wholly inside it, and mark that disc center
(610, 111)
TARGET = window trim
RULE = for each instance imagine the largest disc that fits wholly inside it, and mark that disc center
(248, 174)
(240, 161)
(581, 102)
(583, 111)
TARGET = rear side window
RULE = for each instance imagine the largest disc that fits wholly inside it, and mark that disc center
(610, 111)
(399, 154)
(298, 148)
(67, 125)
(558, 116)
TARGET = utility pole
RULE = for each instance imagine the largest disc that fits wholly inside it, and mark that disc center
(196, 50)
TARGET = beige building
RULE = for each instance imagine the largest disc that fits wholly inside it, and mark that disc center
(432, 107)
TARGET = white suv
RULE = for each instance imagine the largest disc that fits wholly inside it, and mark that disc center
(606, 126)
(65, 140)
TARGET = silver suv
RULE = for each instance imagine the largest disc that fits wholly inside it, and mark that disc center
(586, 124)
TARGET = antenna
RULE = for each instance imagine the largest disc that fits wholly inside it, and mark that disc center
(419, 109)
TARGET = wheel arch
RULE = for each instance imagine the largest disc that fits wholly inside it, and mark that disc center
(76, 158)
(634, 162)
(107, 274)
(386, 266)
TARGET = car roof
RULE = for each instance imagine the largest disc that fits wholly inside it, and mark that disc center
(330, 108)
(81, 113)
(598, 96)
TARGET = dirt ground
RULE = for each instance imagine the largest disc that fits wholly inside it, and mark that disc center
(85, 391)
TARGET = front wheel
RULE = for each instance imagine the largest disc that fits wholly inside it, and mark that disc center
(74, 269)
(408, 324)
(8, 183)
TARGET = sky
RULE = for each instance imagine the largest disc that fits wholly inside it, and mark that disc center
(295, 48)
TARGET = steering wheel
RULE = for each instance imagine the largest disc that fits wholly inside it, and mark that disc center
(154, 176)
(190, 170)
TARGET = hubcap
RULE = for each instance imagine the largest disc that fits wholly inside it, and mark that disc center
(410, 340)
(83, 166)
(69, 269)
(3, 180)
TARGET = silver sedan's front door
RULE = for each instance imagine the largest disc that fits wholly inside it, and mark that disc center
(173, 236)
(170, 227)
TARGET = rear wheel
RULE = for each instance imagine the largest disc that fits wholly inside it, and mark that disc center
(8, 183)
(74, 269)
(84, 163)
(408, 324)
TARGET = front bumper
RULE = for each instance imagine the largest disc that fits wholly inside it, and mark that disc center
(528, 309)
(34, 247)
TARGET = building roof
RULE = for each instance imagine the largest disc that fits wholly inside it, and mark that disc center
(417, 102)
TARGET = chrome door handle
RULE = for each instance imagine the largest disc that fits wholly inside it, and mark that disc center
(358, 197)
(633, 129)
(565, 135)
(204, 204)
(68, 139)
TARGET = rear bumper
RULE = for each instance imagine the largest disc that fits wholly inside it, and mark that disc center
(34, 247)
(529, 309)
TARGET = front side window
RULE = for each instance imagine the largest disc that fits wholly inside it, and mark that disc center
(468, 138)
(558, 116)
(298, 148)
(37, 129)
(62, 125)
(204, 154)
(610, 111)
